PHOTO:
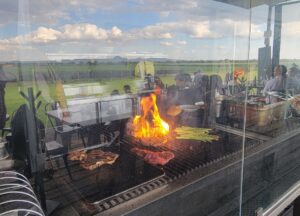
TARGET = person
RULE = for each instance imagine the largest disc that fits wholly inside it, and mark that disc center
(180, 81)
(158, 82)
(114, 92)
(188, 80)
(127, 89)
(198, 78)
(173, 90)
(278, 82)
(293, 84)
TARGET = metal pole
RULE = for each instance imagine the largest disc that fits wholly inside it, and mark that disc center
(268, 32)
(37, 159)
(32, 124)
(277, 35)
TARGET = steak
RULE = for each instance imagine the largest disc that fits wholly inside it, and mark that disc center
(89, 163)
(106, 157)
(93, 159)
(154, 157)
(77, 155)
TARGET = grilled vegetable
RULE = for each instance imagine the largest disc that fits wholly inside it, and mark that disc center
(201, 134)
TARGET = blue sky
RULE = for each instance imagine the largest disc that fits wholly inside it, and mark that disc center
(175, 29)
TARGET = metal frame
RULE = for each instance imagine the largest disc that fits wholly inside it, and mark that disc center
(284, 201)
(277, 35)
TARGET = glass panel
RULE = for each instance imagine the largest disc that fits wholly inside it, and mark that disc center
(132, 107)
(271, 168)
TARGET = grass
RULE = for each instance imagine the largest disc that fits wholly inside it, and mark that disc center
(14, 100)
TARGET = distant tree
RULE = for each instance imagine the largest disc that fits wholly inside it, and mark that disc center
(92, 69)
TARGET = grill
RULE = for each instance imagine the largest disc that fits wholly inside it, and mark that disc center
(132, 177)
(189, 156)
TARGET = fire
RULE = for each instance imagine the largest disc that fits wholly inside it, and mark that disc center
(149, 125)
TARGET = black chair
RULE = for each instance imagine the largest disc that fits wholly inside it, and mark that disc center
(54, 150)
(65, 131)
(21, 146)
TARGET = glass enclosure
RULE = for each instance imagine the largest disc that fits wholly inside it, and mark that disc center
(150, 108)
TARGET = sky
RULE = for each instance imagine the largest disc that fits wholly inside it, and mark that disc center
(174, 29)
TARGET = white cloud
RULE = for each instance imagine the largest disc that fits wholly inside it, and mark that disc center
(158, 31)
(291, 29)
(165, 30)
(221, 47)
(198, 29)
(233, 28)
(166, 43)
(164, 14)
(76, 32)
(116, 32)
(44, 35)
(167, 5)
(168, 30)
(57, 11)
(84, 31)
(182, 42)
(3, 45)
(86, 37)
(178, 43)
(37, 11)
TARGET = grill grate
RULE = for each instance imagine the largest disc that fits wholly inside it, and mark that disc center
(189, 156)
(130, 194)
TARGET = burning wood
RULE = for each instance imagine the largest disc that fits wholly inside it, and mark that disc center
(149, 127)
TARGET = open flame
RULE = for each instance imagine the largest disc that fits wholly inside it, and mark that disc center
(149, 126)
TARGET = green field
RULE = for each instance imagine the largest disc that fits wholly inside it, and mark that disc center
(14, 100)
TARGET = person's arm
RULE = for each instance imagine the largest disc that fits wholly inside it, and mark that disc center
(267, 87)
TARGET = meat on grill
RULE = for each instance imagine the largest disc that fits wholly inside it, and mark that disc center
(97, 158)
(154, 157)
(77, 155)
(93, 159)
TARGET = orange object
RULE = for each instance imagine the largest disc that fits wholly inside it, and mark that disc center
(149, 125)
(238, 72)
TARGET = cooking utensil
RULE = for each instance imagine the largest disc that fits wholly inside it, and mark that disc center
(199, 103)
(174, 110)
(280, 95)
(189, 108)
